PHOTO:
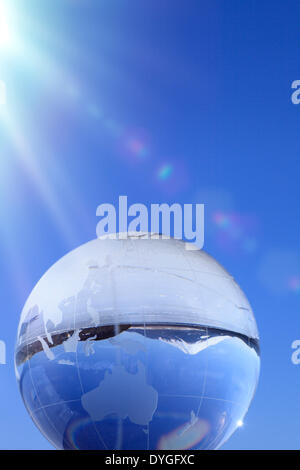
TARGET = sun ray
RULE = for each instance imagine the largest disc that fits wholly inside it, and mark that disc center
(27, 159)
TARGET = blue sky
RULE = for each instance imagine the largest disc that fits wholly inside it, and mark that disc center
(163, 101)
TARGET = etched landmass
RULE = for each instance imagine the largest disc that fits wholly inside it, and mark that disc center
(138, 400)
(70, 345)
(88, 347)
(195, 348)
(130, 346)
(46, 349)
(65, 362)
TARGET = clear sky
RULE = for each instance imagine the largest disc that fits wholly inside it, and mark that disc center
(162, 101)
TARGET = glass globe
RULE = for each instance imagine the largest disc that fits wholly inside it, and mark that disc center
(137, 343)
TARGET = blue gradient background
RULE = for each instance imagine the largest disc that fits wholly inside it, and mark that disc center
(163, 101)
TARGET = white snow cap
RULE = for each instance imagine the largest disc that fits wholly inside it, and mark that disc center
(135, 280)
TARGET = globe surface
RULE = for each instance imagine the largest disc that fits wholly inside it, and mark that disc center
(137, 344)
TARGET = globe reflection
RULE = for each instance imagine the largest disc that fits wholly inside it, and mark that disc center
(153, 378)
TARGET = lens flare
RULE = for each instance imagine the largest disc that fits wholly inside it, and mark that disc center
(165, 172)
(137, 147)
(185, 437)
(133, 145)
(235, 231)
(294, 284)
(172, 176)
(221, 220)
(279, 272)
